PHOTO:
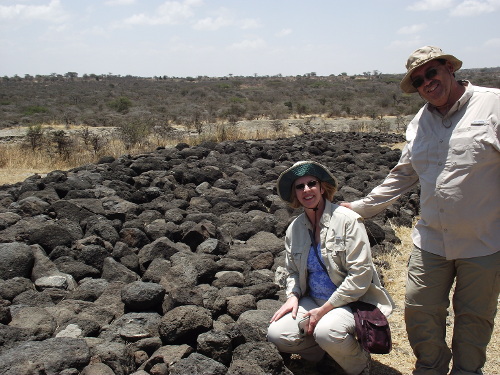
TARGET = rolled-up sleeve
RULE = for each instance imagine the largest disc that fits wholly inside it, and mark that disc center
(400, 179)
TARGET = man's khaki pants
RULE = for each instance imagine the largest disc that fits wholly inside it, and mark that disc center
(430, 279)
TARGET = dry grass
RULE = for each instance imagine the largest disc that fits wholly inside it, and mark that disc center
(18, 162)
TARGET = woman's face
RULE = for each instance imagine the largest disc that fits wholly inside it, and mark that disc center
(308, 191)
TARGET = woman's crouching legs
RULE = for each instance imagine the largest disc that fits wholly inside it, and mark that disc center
(335, 335)
(284, 333)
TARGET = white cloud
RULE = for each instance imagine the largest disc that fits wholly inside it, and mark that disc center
(470, 8)
(284, 32)
(249, 23)
(52, 12)
(431, 5)
(210, 23)
(412, 29)
(168, 13)
(406, 44)
(94, 31)
(249, 44)
(119, 2)
(495, 42)
(223, 18)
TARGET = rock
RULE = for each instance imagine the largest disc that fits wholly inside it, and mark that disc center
(237, 305)
(50, 356)
(167, 355)
(132, 327)
(34, 320)
(114, 355)
(168, 262)
(97, 369)
(61, 233)
(142, 296)
(184, 323)
(115, 271)
(12, 287)
(257, 358)
(89, 289)
(215, 345)
(16, 260)
(229, 278)
(197, 364)
(253, 324)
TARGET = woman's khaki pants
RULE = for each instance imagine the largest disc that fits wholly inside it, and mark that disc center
(430, 279)
(333, 334)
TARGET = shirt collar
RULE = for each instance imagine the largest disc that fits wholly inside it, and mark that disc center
(459, 104)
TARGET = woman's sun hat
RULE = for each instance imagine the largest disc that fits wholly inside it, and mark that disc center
(300, 169)
(422, 56)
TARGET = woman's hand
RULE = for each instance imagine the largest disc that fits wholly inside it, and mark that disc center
(291, 304)
(316, 315)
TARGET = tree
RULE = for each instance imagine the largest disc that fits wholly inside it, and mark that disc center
(34, 136)
(63, 143)
(134, 132)
(121, 104)
(71, 75)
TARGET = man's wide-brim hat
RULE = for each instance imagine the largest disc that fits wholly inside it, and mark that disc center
(422, 56)
(300, 169)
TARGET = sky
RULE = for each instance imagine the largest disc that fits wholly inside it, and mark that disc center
(219, 38)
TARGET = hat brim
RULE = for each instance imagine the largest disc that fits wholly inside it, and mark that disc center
(300, 169)
(406, 85)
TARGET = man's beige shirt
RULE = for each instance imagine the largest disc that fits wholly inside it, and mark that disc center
(456, 159)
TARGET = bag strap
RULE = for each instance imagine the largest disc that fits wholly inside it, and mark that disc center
(316, 253)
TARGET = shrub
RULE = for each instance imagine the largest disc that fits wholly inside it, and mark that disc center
(62, 143)
(121, 104)
(134, 132)
(34, 136)
(33, 109)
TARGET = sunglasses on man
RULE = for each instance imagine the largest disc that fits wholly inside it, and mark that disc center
(430, 74)
(309, 184)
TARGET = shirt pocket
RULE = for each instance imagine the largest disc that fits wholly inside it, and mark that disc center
(420, 155)
(336, 252)
(299, 252)
(471, 145)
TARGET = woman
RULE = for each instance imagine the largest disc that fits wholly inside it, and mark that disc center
(329, 262)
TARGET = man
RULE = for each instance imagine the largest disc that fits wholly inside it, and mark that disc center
(453, 150)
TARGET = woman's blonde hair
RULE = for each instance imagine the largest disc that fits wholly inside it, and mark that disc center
(328, 192)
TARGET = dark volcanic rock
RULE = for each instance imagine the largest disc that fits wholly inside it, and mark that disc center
(16, 260)
(164, 263)
(49, 357)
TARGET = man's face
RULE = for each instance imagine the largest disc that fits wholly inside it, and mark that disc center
(435, 82)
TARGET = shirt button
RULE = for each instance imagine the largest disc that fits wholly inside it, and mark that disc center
(440, 163)
(445, 230)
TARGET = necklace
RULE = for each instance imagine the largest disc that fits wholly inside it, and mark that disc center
(446, 122)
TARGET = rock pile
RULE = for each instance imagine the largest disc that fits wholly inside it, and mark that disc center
(164, 263)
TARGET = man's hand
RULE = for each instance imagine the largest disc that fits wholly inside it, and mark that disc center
(345, 204)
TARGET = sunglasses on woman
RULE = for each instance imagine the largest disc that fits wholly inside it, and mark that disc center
(309, 184)
(430, 74)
